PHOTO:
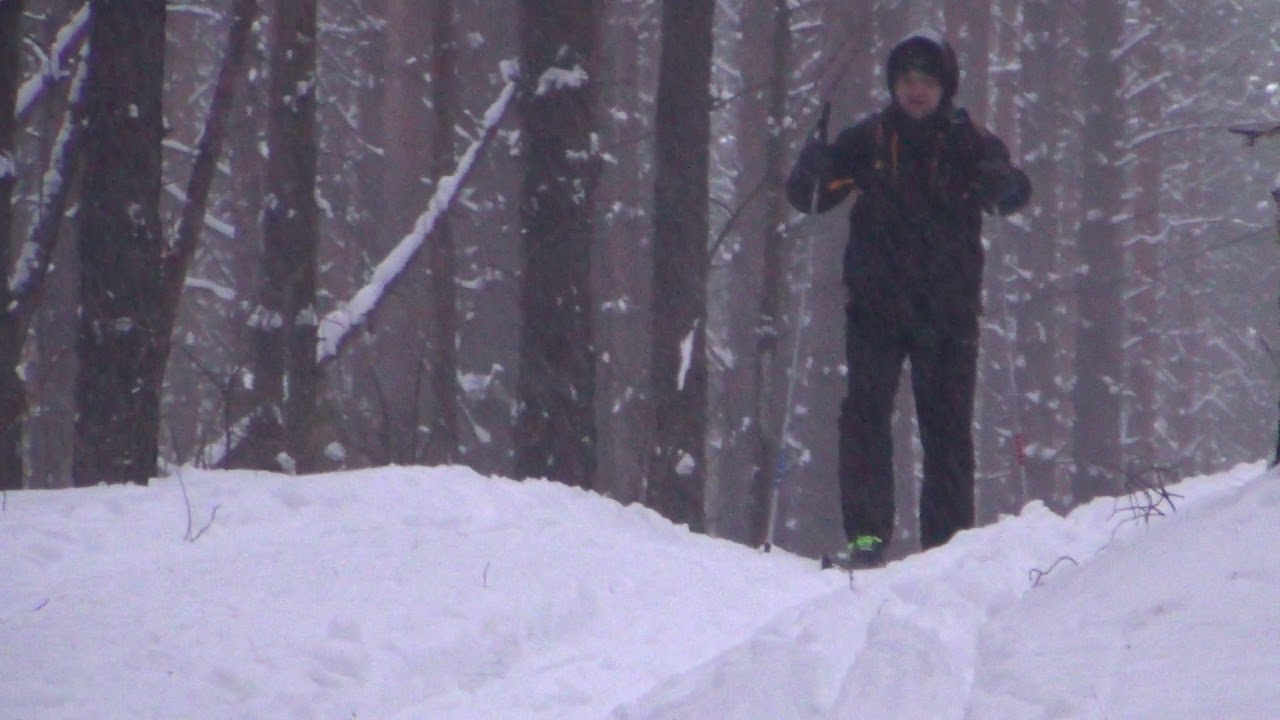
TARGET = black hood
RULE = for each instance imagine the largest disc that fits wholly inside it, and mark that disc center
(932, 56)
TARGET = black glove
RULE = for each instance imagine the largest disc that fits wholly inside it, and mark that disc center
(996, 186)
(816, 160)
(812, 169)
(817, 167)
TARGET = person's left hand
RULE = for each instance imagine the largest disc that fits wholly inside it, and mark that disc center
(996, 184)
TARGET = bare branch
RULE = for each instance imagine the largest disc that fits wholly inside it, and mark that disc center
(209, 147)
(65, 46)
(1037, 576)
(1254, 133)
(1148, 494)
(189, 537)
(27, 282)
(337, 327)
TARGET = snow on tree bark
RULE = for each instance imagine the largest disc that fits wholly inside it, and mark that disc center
(677, 473)
(555, 432)
(122, 343)
(1099, 356)
(287, 373)
(12, 393)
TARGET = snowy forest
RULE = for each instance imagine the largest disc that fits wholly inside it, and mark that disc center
(549, 239)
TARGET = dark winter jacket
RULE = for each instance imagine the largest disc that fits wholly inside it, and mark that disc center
(915, 250)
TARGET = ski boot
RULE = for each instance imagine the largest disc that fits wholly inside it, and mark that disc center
(862, 553)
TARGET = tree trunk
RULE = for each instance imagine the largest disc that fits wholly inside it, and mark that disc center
(443, 438)
(749, 393)
(287, 377)
(677, 472)
(1039, 325)
(623, 260)
(12, 392)
(1000, 479)
(123, 344)
(389, 374)
(555, 432)
(1144, 346)
(1099, 357)
(775, 407)
(27, 294)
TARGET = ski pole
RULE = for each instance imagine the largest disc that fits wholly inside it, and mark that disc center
(784, 447)
(820, 135)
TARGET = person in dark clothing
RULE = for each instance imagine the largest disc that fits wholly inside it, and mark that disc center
(922, 173)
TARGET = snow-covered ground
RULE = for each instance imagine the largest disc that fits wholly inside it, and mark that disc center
(436, 593)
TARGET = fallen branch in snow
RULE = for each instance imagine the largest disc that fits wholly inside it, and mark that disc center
(1037, 575)
(1147, 494)
(337, 327)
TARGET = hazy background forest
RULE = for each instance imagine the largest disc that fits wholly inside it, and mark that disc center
(619, 297)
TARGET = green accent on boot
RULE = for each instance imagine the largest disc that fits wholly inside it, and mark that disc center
(865, 551)
(865, 543)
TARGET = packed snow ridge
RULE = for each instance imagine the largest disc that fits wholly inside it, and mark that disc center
(403, 593)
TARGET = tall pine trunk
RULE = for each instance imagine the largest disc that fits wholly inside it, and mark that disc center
(677, 472)
(555, 434)
(12, 392)
(623, 259)
(284, 325)
(1145, 344)
(393, 371)
(1099, 356)
(443, 442)
(123, 342)
(1039, 325)
(751, 391)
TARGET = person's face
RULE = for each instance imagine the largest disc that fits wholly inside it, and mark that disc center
(918, 94)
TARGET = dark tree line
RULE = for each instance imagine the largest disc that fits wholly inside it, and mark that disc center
(616, 297)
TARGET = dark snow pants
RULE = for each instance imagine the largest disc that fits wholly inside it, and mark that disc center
(944, 359)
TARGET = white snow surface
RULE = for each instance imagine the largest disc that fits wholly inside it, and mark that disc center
(402, 593)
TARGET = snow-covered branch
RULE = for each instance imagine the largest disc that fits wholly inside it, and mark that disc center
(213, 454)
(336, 327)
(65, 45)
(33, 263)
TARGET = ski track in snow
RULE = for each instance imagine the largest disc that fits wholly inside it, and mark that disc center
(907, 641)
(404, 594)
(407, 593)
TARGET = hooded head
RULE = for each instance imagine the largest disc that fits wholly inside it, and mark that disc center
(929, 54)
